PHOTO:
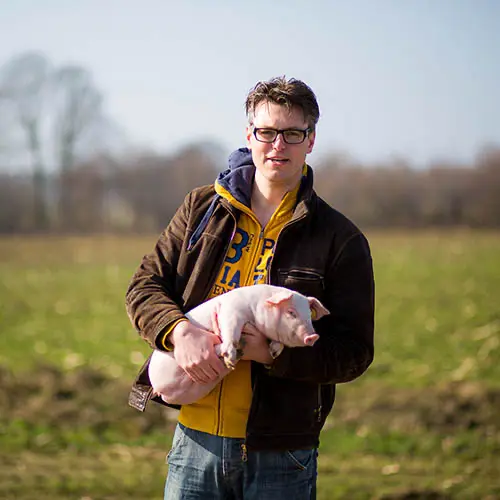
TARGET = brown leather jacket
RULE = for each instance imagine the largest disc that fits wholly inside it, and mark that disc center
(319, 253)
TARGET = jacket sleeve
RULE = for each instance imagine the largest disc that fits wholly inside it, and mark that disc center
(151, 301)
(345, 348)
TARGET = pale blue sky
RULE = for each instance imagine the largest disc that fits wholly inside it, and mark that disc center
(417, 78)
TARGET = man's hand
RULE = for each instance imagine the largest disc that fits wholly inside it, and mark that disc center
(195, 354)
(255, 345)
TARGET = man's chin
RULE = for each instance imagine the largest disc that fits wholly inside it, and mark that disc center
(279, 177)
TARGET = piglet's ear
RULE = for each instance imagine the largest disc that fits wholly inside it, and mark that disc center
(318, 310)
(279, 298)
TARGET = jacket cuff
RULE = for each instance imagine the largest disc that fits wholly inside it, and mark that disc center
(163, 338)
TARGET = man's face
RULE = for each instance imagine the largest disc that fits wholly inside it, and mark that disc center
(278, 162)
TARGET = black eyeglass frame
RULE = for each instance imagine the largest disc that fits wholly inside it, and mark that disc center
(306, 132)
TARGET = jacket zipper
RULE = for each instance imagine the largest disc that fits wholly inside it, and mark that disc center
(244, 451)
(255, 254)
(217, 430)
(320, 405)
(205, 295)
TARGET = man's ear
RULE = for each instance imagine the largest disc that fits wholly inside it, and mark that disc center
(311, 138)
(248, 135)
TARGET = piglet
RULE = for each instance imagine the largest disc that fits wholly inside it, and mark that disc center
(282, 315)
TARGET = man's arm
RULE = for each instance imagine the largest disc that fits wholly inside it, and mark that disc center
(345, 347)
(152, 305)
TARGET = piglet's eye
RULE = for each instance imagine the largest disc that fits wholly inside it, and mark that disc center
(291, 313)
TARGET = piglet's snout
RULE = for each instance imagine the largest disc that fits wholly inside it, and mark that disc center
(311, 339)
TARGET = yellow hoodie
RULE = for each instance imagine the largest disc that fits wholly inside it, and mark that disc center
(224, 410)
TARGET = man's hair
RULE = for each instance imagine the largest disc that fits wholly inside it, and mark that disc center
(289, 93)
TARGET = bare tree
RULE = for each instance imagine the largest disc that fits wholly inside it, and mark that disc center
(77, 109)
(23, 89)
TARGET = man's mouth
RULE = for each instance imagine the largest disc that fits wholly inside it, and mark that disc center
(277, 160)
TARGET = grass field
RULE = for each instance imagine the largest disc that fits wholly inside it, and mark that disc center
(423, 422)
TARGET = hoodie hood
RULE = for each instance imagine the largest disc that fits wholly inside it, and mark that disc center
(237, 179)
(240, 158)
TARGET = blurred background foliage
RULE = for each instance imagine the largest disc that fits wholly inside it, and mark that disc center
(78, 176)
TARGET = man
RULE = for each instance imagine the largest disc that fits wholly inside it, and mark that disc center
(255, 436)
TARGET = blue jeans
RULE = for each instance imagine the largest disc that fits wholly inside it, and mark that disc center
(206, 467)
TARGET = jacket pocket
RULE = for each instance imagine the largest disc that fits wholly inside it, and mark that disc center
(308, 282)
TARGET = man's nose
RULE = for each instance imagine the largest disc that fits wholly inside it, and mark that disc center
(279, 143)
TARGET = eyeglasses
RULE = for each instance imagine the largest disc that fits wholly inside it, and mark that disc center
(290, 136)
